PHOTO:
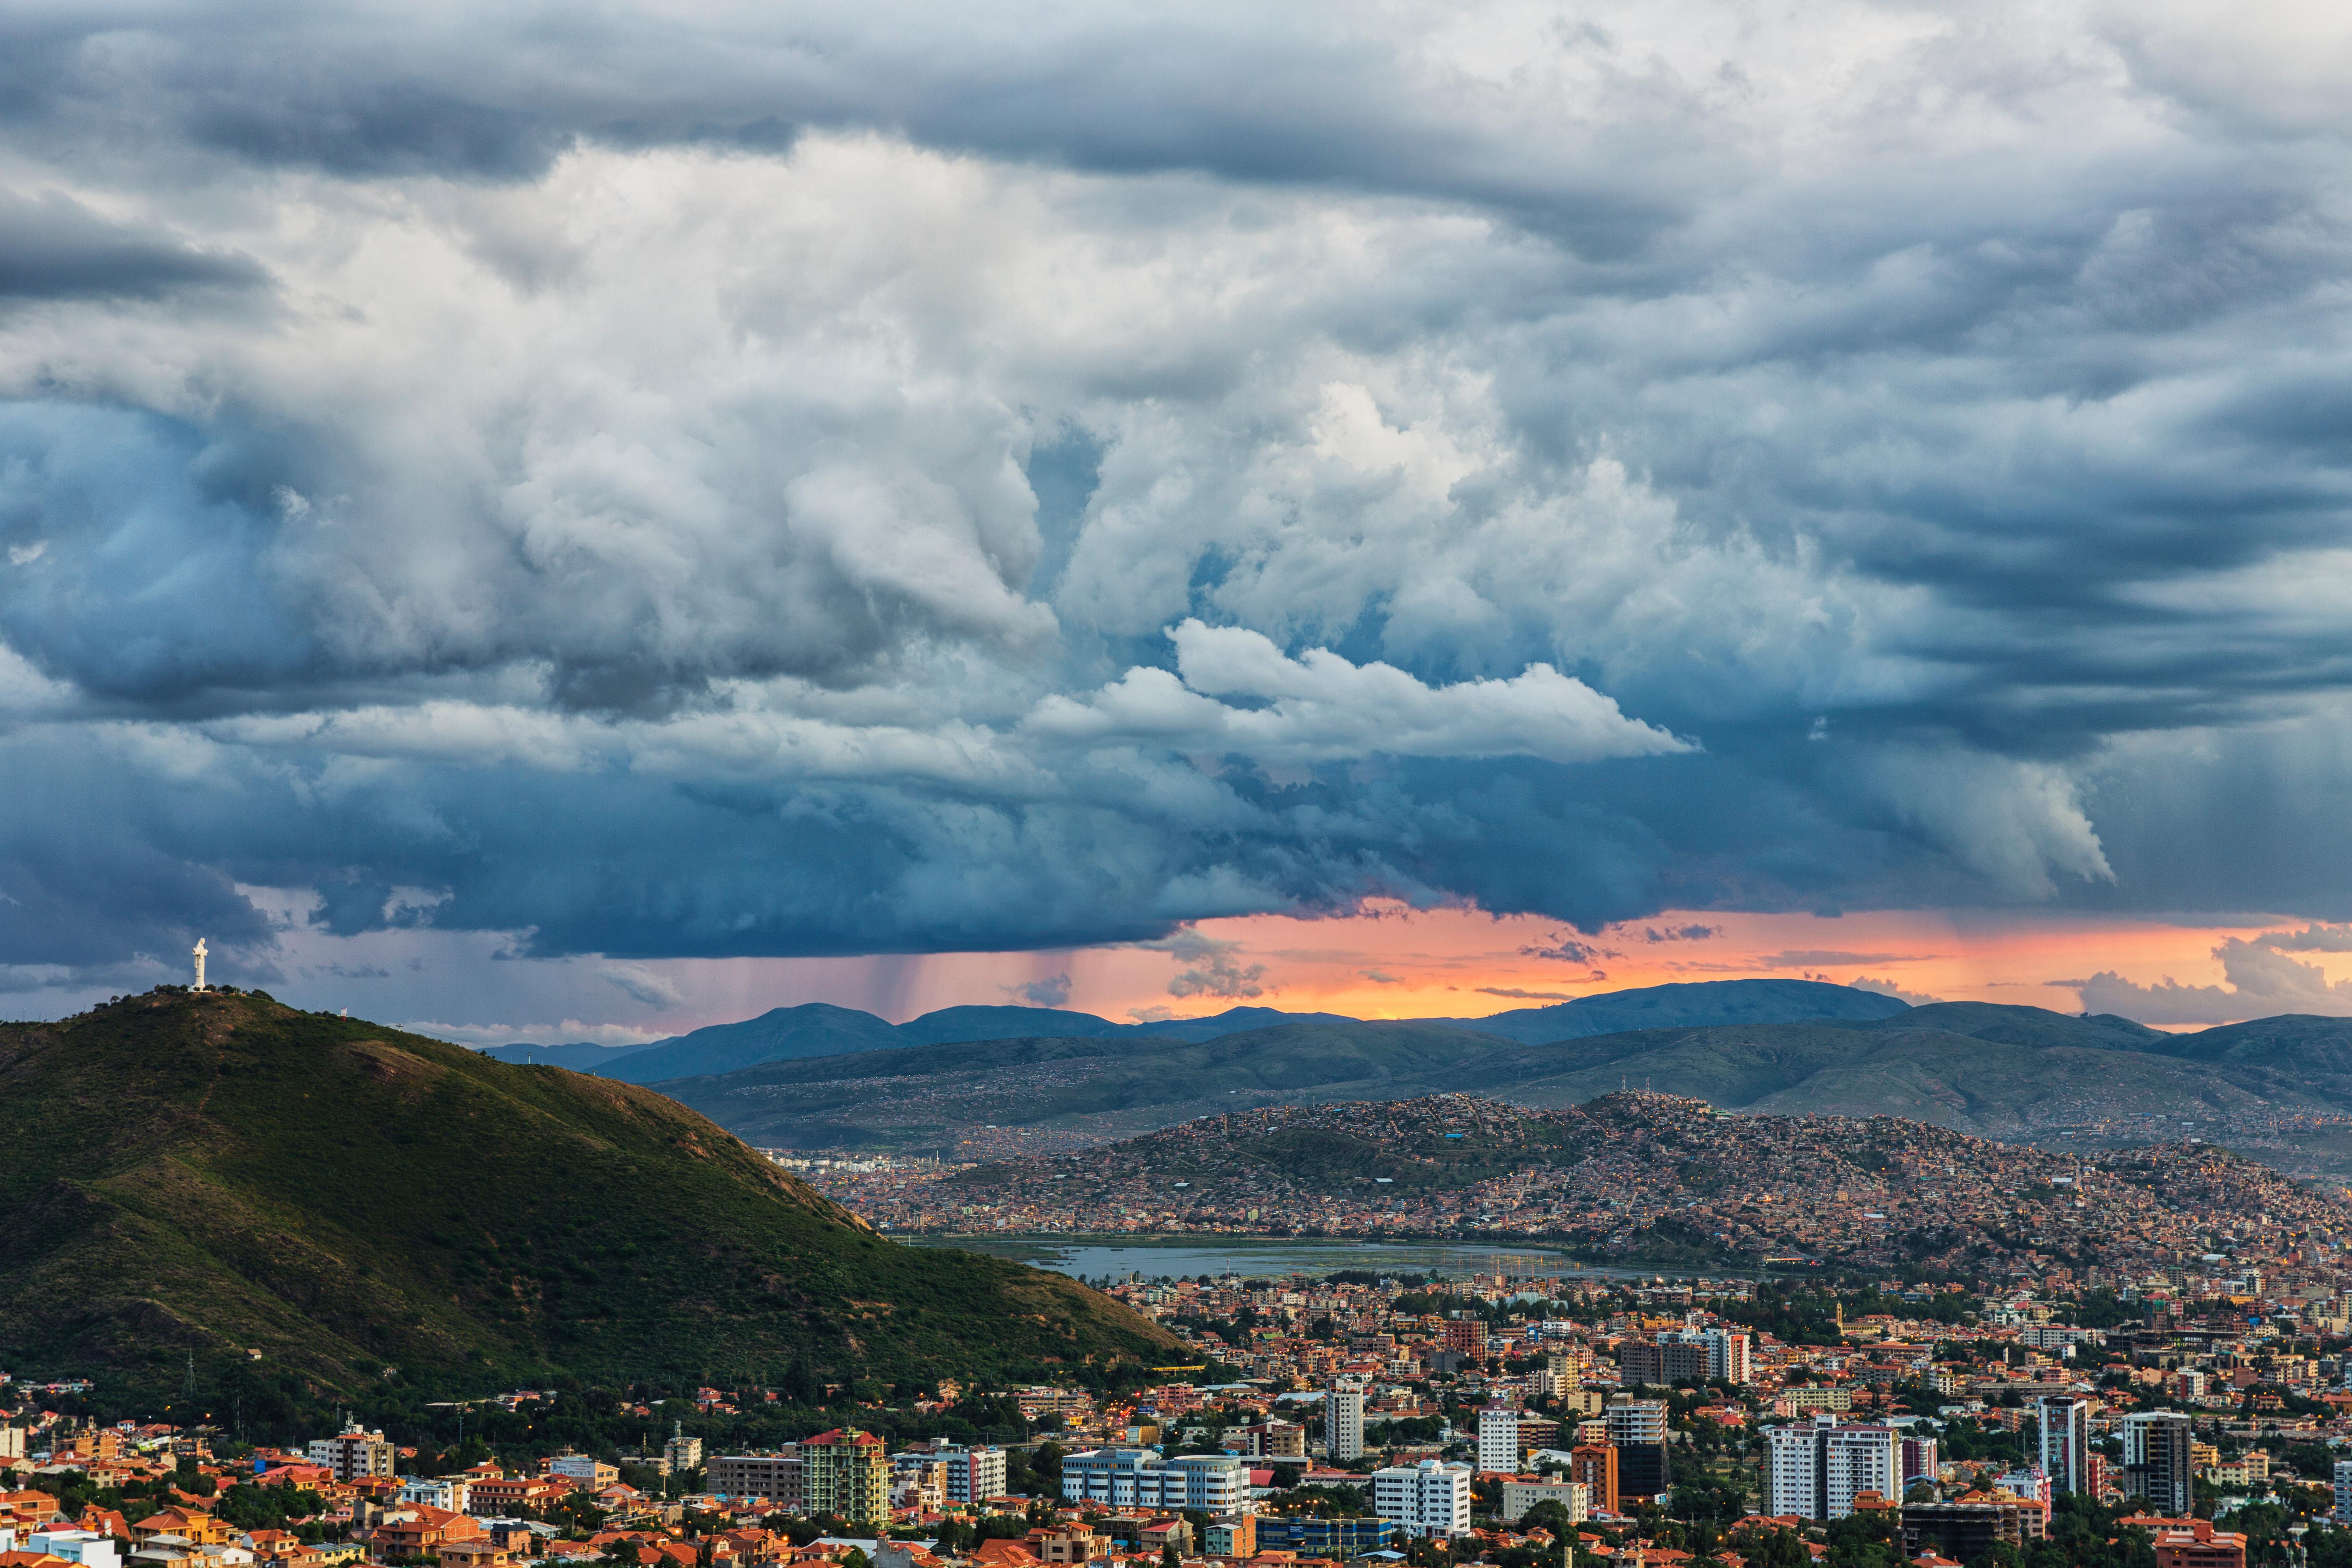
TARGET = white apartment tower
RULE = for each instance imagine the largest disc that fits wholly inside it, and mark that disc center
(1816, 1471)
(1431, 1498)
(1343, 1421)
(1498, 1441)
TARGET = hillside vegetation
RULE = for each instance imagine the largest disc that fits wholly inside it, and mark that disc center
(219, 1175)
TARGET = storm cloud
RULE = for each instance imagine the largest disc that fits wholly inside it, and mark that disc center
(725, 481)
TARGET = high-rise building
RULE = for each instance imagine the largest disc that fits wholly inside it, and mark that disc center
(1637, 1429)
(1665, 1362)
(846, 1473)
(2343, 1494)
(1728, 1356)
(1595, 1465)
(1343, 1421)
(684, 1453)
(2158, 1464)
(1498, 1441)
(1430, 1498)
(1817, 1471)
(2067, 1444)
(1919, 1460)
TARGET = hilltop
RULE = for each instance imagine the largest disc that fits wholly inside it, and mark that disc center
(1635, 1176)
(220, 1175)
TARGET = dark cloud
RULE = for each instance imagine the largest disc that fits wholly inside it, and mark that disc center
(1053, 991)
(53, 248)
(718, 484)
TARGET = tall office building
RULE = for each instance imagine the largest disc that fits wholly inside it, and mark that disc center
(2066, 1443)
(2158, 1464)
(846, 1474)
(1817, 1471)
(1343, 1421)
(1637, 1429)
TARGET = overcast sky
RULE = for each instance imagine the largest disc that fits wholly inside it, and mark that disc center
(497, 501)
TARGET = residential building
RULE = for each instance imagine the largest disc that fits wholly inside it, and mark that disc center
(2066, 1443)
(1343, 1421)
(684, 1453)
(1664, 1362)
(1594, 1466)
(1139, 1478)
(1430, 1498)
(1728, 1356)
(1637, 1430)
(450, 1492)
(1466, 1336)
(846, 1473)
(591, 1474)
(778, 1477)
(1235, 1535)
(1498, 1441)
(1919, 1460)
(2157, 1461)
(86, 1547)
(2343, 1494)
(2195, 1544)
(1272, 1440)
(353, 1454)
(1817, 1471)
(972, 1474)
(1815, 1396)
(1521, 1493)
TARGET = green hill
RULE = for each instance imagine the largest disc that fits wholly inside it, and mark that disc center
(213, 1175)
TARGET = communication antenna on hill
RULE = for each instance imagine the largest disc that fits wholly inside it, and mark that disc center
(190, 1389)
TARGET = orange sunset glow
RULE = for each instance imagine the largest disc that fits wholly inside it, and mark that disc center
(1396, 962)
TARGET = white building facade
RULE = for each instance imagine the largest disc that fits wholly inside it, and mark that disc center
(1430, 1498)
(1817, 1471)
(1343, 1421)
(1498, 1441)
(1139, 1478)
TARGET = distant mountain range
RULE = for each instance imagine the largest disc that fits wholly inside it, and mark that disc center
(2006, 1072)
(222, 1187)
(819, 1029)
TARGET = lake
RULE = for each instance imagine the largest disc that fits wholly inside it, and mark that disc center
(1092, 1258)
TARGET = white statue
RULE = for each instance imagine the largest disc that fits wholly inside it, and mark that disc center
(200, 963)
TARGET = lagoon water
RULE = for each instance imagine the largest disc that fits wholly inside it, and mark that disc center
(1155, 1258)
